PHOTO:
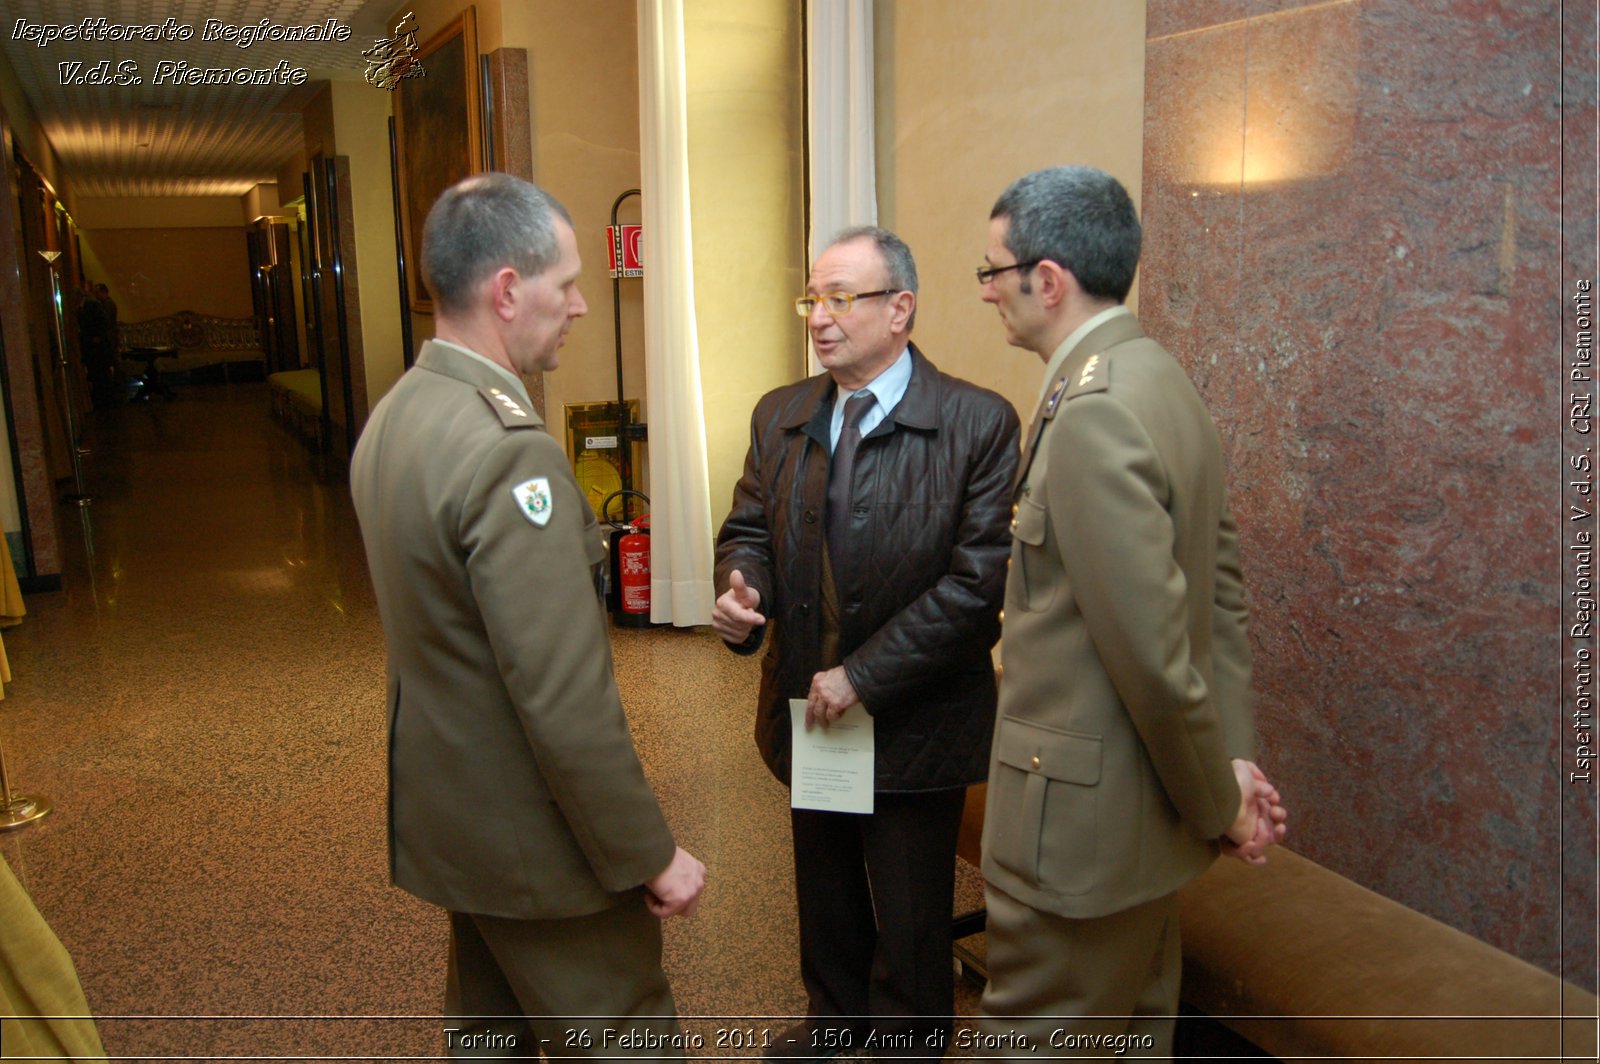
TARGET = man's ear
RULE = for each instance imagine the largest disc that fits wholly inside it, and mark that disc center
(1054, 283)
(902, 304)
(502, 292)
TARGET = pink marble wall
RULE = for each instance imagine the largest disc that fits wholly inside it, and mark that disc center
(1353, 218)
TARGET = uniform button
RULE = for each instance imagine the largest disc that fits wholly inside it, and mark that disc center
(1013, 510)
(1013, 524)
(1036, 764)
(805, 608)
(810, 517)
(1002, 616)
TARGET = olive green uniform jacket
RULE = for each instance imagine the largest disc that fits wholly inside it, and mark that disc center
(514, 786)
(1126, 670)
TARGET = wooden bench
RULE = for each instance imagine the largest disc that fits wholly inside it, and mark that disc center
(201, 340)
(1304, 963)
(297, 402)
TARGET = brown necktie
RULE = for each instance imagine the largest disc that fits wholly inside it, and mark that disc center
(841, 473)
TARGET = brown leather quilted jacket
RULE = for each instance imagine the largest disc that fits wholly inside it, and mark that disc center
(922, 586)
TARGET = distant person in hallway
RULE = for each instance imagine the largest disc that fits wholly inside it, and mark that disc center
(97, 340)
(1124, 743)
(108, 311)
(516, 798)
(870, 525)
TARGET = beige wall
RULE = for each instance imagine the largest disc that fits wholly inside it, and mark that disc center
(746, 182)
(361, 124)
(316, 135)
(160, 212)
(261, 200)
(583, 73)
(155, 272)
(162, 254)
(583, 98)
(745, 134)
(1036, 85)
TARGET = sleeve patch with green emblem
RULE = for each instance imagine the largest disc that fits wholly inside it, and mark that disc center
(533, 499)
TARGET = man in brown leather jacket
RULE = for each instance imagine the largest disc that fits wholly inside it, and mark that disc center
(896, 608)
(516, 799)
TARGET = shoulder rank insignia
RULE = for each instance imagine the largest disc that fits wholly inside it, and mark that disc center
(512, 415)
(1093, 377)
(1053, 400)
(533, 499)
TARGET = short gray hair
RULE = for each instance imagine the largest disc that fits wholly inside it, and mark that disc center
(481, 224)
(1078, 217)
(896, 256)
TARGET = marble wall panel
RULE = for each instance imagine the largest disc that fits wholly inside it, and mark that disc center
(1353, 241)
(513, 145)
(1580, 260)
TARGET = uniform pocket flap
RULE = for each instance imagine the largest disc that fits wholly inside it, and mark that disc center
(1028, 524)
(1056, 755)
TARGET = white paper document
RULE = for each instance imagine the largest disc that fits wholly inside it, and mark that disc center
(831, 768)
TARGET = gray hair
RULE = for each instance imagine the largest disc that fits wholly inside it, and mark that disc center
(896, 256)
(483, 223)
(1079, 218)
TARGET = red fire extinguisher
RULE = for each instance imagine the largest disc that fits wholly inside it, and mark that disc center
(629, 594)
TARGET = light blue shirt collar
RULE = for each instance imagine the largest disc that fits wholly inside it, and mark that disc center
(888, 388)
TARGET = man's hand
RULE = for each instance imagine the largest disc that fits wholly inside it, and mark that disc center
(676, 891)
(734, 614)
(1262, 820)
(830, 695)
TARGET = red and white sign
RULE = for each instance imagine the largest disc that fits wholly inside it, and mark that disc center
(623, 250)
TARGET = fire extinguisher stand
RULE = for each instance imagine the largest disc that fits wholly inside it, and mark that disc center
(626, 433)
(628, 597)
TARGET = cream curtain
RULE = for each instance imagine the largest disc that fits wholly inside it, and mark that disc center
(681, 589)
(839, 103)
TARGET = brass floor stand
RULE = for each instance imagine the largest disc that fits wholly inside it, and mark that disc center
(18, 809)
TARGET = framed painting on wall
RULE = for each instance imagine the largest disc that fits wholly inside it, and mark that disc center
(437, 133)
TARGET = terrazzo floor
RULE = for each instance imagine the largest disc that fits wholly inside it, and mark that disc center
(202, 700)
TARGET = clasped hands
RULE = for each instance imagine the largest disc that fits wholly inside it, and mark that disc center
(1262, 821)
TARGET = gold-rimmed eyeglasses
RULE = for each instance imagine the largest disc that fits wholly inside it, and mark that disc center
(838, 303)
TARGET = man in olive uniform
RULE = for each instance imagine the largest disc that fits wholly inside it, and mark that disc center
(1122, 746)
(516, 798)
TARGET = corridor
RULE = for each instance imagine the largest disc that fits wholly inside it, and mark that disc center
(203, 703)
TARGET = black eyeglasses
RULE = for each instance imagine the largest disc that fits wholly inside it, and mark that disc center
(989, 273)
(838, 303)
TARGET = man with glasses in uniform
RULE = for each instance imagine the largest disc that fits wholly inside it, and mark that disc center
(870, 523)
(1123, 750)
